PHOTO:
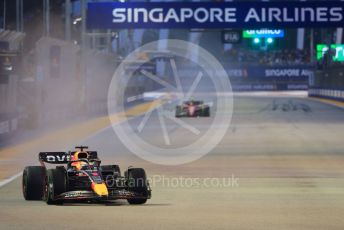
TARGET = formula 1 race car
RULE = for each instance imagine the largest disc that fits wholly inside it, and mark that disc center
(193, 109)
(83, 178)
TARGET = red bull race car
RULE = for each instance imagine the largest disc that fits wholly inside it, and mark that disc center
(193, 109)
(82, 179)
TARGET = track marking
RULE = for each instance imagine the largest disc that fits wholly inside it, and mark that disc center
(10, 179)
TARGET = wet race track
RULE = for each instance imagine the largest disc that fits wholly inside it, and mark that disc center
(279, 166)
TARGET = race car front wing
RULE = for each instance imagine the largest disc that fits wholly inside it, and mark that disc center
(113, 195)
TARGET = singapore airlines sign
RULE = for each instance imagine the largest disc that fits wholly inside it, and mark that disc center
(215, 15)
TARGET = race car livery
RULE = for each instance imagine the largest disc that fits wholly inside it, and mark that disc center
(83, 178)
(193, 109)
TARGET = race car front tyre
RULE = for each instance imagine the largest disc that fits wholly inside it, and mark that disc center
(33, 182)
(206, 112)
(137, 182)
(137, 201)
(55, 185)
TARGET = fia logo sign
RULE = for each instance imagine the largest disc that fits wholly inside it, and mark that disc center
(231, 36)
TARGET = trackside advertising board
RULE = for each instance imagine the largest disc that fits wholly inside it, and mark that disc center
(247, 15)
(269, 72)
(263, 33)
(335, 50)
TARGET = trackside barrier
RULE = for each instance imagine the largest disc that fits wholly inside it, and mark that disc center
(327, 93)
(328, 84)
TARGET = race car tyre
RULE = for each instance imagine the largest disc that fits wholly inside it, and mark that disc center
(111, 168)
(206, 112)
(178, 111)
(137, 201)
(33, 182)
(55, 185)
(137, 182)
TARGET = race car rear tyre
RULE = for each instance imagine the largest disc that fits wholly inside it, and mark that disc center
(137, 182)
(33, 182)
(55, 185)
(178, 111)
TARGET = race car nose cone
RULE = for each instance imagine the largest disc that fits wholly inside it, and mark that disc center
(100, 189)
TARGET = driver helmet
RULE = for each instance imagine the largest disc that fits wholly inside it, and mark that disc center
(76, 157)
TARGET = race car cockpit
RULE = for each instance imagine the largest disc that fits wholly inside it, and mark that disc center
(83, 160)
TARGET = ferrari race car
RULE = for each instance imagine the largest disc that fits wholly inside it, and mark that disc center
(193, 109)
(82, 178)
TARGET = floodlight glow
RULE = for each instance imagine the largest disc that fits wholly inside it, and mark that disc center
(256, 40)
(269, 40)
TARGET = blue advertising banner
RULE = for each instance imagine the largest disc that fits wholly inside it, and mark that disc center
(245, 15)
(269, 72)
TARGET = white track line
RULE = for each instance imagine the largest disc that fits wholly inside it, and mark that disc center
(9, 180)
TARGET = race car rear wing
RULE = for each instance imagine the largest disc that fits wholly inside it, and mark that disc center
(61, 157)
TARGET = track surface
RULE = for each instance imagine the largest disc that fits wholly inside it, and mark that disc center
(287, 154)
